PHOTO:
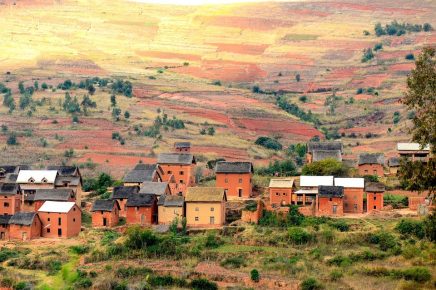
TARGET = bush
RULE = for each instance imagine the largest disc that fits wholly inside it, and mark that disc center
(340, 261)
(430, 227)
(203, 284)
(378, 46)
(83, 282)
(79, 250)
(293, 109)
(418, 274)
(12, 139)
(139, 239)
(303, 99)
(367, 55)
(336, 275)
(340, 225)
(254, 275)
(311, 284)
(410, 56)
(22, 286)
(385, 240)
(299, 236)
(268, 143)
(234, 262)
(409, 227)
(324, 167)
(282, 167)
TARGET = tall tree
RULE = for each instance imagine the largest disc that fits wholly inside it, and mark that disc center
(421, 98)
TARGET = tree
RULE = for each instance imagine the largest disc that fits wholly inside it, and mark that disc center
(21, 87)
(116, 112)
(421, 99)
(113, 100)
(44, 86)
(91, 89)
(254, 275)
(297, 77)
(324, 167)
(211, 131)
(12, 139)
(126, 114)
(25, 101)
(87, 103)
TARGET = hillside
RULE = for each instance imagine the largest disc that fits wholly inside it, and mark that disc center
(206, 64)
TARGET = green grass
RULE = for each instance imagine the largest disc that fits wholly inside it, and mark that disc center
(242, 248)
(297, 37)
(64, 279)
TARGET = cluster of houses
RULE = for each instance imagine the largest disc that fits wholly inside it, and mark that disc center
(47, 203)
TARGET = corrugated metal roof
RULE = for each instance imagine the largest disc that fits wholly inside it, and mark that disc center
(307, 191)
(205, 194)
(311, 181)
(281, 182)
(57, 206)
(37, 176)
(350, 182)
(412, 147)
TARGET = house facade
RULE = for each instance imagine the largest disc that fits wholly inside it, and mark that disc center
(30, 181)
(374, 196)
(52, 194)
(235, 178)
(121, 194)
(371, 164)
(170, 208)
(281, 190)
(10, 199)
(393, 165)
(308, 193)
(330, 201)
(24, 226)
(205, 207)
(179, 165)
(142, 209)
(105, 213)
(413, 151)
(353, 193)
(60, 219)
(4, 227)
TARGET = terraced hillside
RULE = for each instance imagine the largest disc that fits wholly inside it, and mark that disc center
(219, 66)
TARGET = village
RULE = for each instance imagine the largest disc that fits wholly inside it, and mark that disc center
(48, 203)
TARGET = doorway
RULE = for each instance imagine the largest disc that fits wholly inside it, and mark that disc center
(335, 208)
(59, 232)
(104, 222)
(2, 236)
(240, 192)
(212, 220)
(24, 236)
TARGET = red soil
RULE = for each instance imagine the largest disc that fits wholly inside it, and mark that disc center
(374, 80)
(253, 23)
(229, 154)
(115, 160)
(407, 67)
(252, 49)
(363, 97)
(374, 8)
(341, 73)
(268, 126)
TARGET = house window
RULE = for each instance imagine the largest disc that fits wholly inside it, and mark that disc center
(330, 199)
(181, 172)
(48, 219)
(59, 221)
(181, 181)
(366, 171)
(196, 218)
(196, 209)
(375, 207)
(48, 230)
(226, 180)
(137, 208)
(375, 172)
(6, 204)
(355, 207)
(212, 209)
(74, 209)
(74, 220)
(169, 172)
(240, 180)
(277, 193)
(375, 197)
(284, 193)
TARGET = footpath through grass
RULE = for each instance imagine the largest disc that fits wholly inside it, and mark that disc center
(64, 279)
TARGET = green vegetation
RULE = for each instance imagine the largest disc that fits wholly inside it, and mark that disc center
(293, 109)
(398, 29)
(122, 87)
(281, 167)
(368, 54)
(268, 143)
(325, 167)
(12, 139)
(410, 56)
(254, 275)
(397, 201)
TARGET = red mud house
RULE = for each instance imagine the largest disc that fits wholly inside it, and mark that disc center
(60, 219)
(143, 172)
(205, 207)
(69, 177)
(353, 193)
(10, 199)
(371, 164)
(308, 192)
(30, 181)
(394, 165)
(280, 191)
(50, 194)
(374, 196)
(170, 208)
(330, 201)
(413, 151)
(235, 178)
(24, 226)
(181, 166)
(4, 227)
(105, 213)
(184, 147)
(142, 209)
(317, 151)
(121, 195)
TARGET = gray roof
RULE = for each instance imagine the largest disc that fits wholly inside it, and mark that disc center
(176, 158)
(311, 146)
(330, 191)
(171, 201)
(233, 167)
(22, 218)
(11, 178)
(145, 166)
(374, 187)
(124, 191)
(64, 170)
(371, 158)
(104, 205)
(139, 176)
(8, 169)
(140, 199)
(394, 162)
(53, 194)
(9, 189)
(157, 188)
(319, 155)
(182, 145)
(69, 180)
(4, 219)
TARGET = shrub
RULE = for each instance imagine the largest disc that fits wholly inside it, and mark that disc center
(12, 139)
(410, 56)
(282, 167)
(212, 241)
(336, 275)
(311, 284)
(378, 46)
(268, 143)
(254, 275)
(299, 236)
(340, 225)
(303, 99)
(409, 227)
(22, 286)
(83, 282)
(340, 261)
(293, 109)
(234, 262)
(430, 227)
(367, 55)
(6, 254)
(327, 166)
(385, 240)
(79, 249)
(203, 284)
(418, 274)
(138, 238)
(132, 272)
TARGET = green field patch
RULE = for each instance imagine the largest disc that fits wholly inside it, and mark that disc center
(298, 37)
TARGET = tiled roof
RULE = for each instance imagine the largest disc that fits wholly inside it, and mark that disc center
(64, 170)
(9, 189)
(182, 145)
(145, 166)
(233, 167)
(176, 158)
(331, 191)
(157, 188)
(371, 158)
(205, 194)
(56, 194)
(394, 162)
(4, 219)
(139, 176)
(374, 187)
(281, 182)
(69, 180)
(104, 205)
(8, 169)
(311, 146)
(144, 200)
(124, 191)
(319, 155)
(22, 218)
(171, 201)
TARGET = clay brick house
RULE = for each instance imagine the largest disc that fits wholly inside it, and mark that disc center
(4, 227)
(24, 226)
(317, 151)
(394, 165)
(179, 165)
(105, 213)
(280, 191)
(413, 151)
(205, 207)
(371, 164)
(156, 188)
(121, 195)
(170, 207)
(10, 199)
(330, 201)
(30, 181)
(60, 219)
(235, 178)
(353, 193)
(183, 147)
(69, 177)
(142, 209)
(308, 192)
(52, 194)
(143, 172)
(374, 196)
